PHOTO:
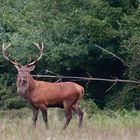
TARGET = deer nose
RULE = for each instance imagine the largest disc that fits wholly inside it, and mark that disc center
(23, 77)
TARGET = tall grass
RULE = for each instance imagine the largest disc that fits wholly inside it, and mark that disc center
(103, 125)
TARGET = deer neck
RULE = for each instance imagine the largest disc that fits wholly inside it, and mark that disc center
(25, 87)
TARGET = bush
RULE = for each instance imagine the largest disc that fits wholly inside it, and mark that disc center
(15, 102)
(89, 107)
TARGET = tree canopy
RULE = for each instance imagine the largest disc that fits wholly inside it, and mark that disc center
(69, 30)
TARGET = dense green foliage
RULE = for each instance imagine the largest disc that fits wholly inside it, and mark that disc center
(69, 30)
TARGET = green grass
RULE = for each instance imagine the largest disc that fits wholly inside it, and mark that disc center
(103, 125)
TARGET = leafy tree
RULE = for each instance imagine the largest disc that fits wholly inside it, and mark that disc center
(69, 30)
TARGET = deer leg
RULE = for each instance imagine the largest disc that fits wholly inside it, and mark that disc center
(45, 117)
(67, 109)
(35, 114)
(68, 118)
(78, 111)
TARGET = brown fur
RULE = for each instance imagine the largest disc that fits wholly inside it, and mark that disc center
(45, 94)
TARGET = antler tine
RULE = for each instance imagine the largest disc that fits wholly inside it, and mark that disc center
(41, 53)
(4, 51)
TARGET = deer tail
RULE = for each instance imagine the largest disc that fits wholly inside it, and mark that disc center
(82, 93)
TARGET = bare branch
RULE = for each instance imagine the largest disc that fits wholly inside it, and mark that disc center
(89, 79)
(114, 55)
(111, 87)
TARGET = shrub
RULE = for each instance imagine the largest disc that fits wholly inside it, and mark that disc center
(15, 102)
(89, 107)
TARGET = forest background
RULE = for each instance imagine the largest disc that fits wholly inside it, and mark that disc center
(70, 29)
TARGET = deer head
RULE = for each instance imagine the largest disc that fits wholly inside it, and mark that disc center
(23, 71)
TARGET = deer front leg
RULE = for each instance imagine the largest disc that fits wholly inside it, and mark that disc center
(35, 114)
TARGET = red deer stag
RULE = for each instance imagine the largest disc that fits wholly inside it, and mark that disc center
(43, 95)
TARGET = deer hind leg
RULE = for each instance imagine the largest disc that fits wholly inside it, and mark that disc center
(45, 117)
(76, 108)
(35, 114)
(68, 118)
(68, 112)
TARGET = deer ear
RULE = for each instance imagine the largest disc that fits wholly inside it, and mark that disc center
(30, 68)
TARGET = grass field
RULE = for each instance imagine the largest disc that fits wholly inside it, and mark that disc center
(103, 125)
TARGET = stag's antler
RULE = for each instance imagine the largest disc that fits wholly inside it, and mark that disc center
(6, 54)
(40, 56)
